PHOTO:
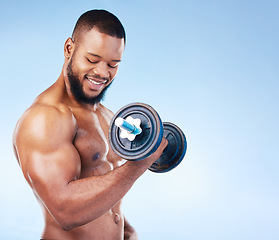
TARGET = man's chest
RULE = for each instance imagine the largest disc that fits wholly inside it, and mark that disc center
(92, 143)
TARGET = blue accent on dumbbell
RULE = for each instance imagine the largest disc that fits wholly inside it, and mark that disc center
(130, 128)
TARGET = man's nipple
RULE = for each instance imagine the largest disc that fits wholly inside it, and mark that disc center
(96, 156)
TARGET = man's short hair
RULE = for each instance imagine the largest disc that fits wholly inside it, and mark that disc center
(103, 20)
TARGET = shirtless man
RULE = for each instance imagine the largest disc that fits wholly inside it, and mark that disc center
(61, 141)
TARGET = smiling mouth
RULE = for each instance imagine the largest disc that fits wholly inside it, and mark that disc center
(96, 84)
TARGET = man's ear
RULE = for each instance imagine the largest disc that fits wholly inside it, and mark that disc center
(69, 48)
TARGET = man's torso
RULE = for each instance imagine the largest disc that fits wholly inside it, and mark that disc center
(97, 158)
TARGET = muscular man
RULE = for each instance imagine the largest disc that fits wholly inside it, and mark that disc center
(61, 141)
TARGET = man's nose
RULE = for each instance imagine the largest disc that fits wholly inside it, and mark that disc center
(101, 70)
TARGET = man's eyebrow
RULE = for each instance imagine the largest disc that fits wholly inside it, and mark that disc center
(96, 55)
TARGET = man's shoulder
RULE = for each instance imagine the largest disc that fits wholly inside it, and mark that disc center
(40, 118)
(105, 110)
(57, 112)
(107, 113)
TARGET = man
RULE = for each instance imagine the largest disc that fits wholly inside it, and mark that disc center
(61, 141)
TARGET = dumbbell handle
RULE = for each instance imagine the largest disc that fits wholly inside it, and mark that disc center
(130, 128)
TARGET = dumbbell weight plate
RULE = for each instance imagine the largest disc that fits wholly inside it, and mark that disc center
(145, 143)
(174, 152)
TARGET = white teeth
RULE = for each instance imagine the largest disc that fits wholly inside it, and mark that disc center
(96, 83)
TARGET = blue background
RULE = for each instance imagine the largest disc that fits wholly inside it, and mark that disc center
(211, 67)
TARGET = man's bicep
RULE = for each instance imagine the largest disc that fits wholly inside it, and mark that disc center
(44, 143)
(50, 172)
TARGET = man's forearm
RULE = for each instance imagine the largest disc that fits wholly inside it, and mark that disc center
(88, 199)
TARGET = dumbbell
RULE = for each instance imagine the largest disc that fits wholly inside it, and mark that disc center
(136, 131)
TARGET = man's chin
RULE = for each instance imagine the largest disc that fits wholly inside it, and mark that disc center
(81, 96)
(92, 99)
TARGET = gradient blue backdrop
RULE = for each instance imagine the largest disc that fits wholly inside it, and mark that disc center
(211, 67)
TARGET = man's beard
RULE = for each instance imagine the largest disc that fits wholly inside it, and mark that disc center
(76, 88)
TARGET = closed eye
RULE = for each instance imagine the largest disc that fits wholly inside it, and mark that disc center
(91, 61)
(112, 66)
(114, 63)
